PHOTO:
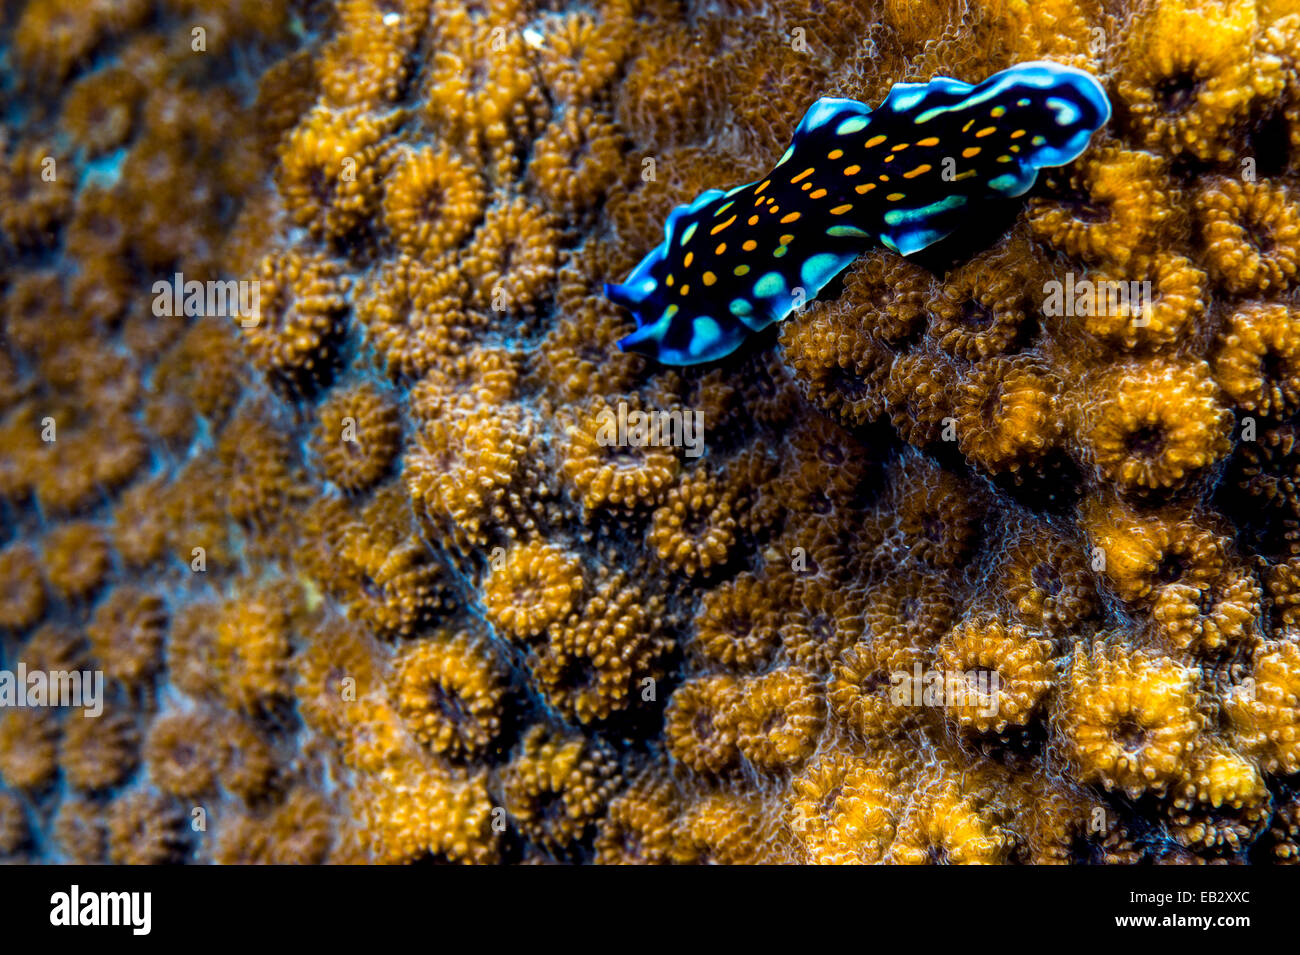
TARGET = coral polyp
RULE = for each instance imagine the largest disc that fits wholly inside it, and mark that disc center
(1130, 721)
(450, 692)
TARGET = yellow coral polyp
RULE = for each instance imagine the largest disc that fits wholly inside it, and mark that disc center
(1224, 803)
(1171, 311)
(1251, 232)
(1209, 618)
(779, 717)
(450, 692)
(580, 54)
(370, 57)
(413, 314)
(1005, 674)
(693, 530)
(331, 168)
(183, 753)
(482, 376)
(432, 199)
(1119, 207)
(1138, 552)
(979, 308)
(1046, 578)
(608, 473)
(1129, 720)
(842, 371)
(946, 825)
(1263, 710)
(535, 586)
(410, 812)
(22, 594)
(1258, 360)
(1283, 583)
(511, 260)
(358, 433)
(301, 305)
(474, 470)
(937, 511)
(1189, 74)
(251, 646)
(1152, 425)
(36, 191)
(28, 747)
(738, 623)
(576, 159)
(100, 109)
(386, 575)
(373, 735)
(126, 634)
(604, 657)
(918, 395)
(1006, 413)
(77, 559)
(700, 723)
(724, 829)
(842, 811)
(639, 827)
(557, 786)
(54, 37)
(481, 88)
(145, 828)
(99, 751)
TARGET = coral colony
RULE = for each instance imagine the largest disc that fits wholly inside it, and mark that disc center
(933, 495)
(966, 143)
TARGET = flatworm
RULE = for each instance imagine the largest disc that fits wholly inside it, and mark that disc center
(903, 175)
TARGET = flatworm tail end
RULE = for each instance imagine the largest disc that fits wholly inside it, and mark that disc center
(904, 175)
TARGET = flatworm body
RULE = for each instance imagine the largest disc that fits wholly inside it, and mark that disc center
(903, 175)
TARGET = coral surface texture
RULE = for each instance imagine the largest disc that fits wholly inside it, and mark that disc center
(323, 472)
